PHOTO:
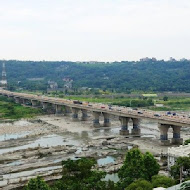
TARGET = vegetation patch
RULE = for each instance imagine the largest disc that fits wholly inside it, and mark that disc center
(11, 110)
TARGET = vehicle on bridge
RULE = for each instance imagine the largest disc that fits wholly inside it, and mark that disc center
(77, 102)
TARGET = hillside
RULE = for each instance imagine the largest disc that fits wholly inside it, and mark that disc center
(120, 76)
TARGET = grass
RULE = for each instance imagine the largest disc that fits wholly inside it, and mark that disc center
(11, 110)
(173, 104)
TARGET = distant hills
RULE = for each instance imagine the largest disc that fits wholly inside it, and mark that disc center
(150, 75)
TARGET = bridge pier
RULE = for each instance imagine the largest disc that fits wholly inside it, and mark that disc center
(176, 135)
(124, 125)
(75, 114)
(106, 120)
(22, 101)
(96, 121)
(58, 109)
(44, 106)
(136, 128)
(17, 100)
(84, 115)
(34, 103)
(67, 111)
(164, 134)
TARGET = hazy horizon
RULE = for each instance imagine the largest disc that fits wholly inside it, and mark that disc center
(83, 30)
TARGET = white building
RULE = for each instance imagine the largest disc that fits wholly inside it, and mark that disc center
(175, 152)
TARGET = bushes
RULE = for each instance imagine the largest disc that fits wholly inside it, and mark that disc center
(137, 166)
(140, 185)
(162, 181)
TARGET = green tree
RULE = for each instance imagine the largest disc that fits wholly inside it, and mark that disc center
(37, 184)
(165, 98)
(137, 166)
(77, 175)
(162, 181)
(183, 163)
(140, 185)
(151, 165)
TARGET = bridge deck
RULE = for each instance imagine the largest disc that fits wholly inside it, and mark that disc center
(179, 120)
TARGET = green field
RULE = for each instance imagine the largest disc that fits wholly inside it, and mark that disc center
(173, 104)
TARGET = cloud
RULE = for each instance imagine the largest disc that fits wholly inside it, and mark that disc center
(94, 29)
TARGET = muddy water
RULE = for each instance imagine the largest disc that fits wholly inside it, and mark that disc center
(148, 129)
(113, 177)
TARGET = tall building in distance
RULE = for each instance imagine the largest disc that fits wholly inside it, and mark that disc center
(3, 81)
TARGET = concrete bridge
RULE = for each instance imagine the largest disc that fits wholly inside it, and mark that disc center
(70, 107)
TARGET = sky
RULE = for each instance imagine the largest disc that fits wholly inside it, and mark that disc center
(94, 30)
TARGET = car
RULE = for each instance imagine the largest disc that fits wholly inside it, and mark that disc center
(102, 106)
(157, 114)
(140, 112)
(118, 109)
(77, 102)
(90, 105)
(174, 114)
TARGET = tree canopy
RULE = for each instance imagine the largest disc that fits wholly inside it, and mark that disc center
(121, 76)
(37, 184)
(140, 185)
(162, 181)
(78, 174)
(137, 166)
(182, 163)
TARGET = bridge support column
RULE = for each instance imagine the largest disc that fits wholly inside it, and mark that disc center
(34, 103)
(67, 111)
(22, 101)
(58, 109)
(106, 120)
(164, 134)
(176, 135)
(96, 122)
(136, 128)
(75, 114)
(17, 100)
(124, 125)
(44, 106)
(84, 115)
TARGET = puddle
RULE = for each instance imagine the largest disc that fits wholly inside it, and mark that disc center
(113, 177)
(106, 160)
(15, 163)
(45, 141)
(13, 136)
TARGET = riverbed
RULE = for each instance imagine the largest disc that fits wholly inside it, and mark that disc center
(31, 147)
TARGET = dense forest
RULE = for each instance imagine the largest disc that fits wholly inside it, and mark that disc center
(152, 76)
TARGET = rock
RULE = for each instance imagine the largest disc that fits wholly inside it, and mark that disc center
(104, 143)
(71, 151)
(85, 149)
(3, 183)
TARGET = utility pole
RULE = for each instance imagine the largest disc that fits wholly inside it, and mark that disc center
(4, 75)
(181, 173)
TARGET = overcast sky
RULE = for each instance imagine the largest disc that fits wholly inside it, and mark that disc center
(94, 30)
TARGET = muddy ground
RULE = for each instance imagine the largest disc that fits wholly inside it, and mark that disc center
(37, 146)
